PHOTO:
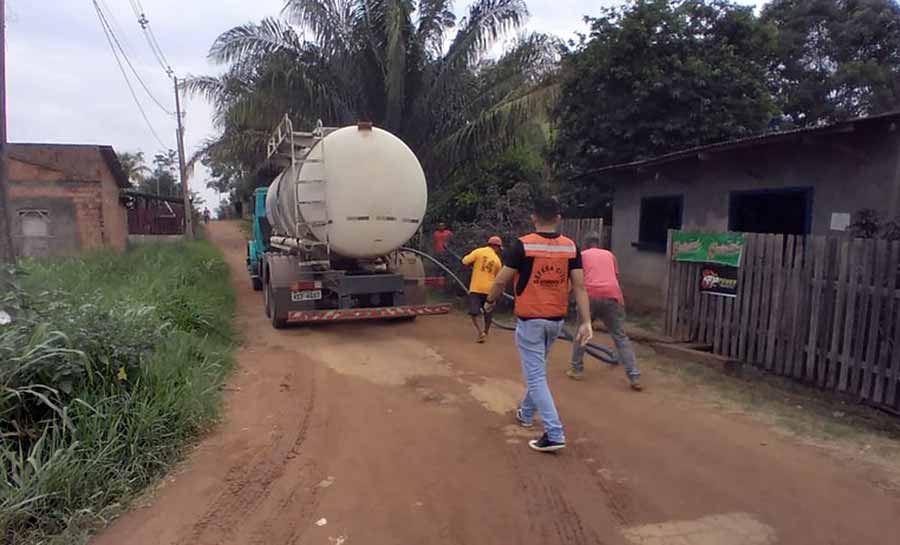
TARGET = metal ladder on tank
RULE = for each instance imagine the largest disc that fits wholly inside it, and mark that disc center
(299, 145)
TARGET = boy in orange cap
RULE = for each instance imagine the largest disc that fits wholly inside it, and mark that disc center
(486, 264)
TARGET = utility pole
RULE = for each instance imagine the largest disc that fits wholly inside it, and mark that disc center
(7, 250)
(188, 209)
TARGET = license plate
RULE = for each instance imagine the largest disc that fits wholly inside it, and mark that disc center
(311, 295)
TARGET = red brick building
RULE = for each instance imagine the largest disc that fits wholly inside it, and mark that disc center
(66, 198)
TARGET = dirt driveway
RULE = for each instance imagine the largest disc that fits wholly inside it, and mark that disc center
(401, 433)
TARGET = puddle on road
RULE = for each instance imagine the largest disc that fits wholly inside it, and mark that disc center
(725, 529)
(497, 395)
(390, 363)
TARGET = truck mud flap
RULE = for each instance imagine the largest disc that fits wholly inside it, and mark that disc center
(351, 314)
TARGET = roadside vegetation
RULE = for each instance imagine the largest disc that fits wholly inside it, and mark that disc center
(112, 365)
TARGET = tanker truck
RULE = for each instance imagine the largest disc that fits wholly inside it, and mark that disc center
(328, 231)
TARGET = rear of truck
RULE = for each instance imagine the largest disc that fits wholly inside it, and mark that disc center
(329, 230)
(294, 296)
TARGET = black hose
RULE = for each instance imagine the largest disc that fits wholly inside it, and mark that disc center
(602, 353)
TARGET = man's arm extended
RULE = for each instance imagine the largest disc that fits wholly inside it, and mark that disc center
(469, 259)
(585, 329)
(504, 278)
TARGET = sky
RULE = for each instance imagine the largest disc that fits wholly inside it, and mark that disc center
(63, 85)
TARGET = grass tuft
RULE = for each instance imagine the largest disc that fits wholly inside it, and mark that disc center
(112, 366)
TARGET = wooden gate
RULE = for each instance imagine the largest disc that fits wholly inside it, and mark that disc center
(579, 228)
(822, 310)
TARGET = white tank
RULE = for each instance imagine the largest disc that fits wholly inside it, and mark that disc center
(373, 189)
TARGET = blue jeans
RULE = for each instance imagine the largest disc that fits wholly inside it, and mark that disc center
(613, 315)
(534, 339)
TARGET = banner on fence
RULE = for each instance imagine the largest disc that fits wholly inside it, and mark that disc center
(719, 280)
(723, 249)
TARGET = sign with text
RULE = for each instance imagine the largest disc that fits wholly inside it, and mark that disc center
(723, 249)
(719, 280)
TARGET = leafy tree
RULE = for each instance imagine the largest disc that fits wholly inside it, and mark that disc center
(655, 76)
(474, 186)
(394, 62)
(869, 223)
(163, 179)
(836, 58)
(134, 167)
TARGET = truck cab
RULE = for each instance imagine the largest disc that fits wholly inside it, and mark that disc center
(259, 244)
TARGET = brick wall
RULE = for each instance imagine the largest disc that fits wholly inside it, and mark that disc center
(29, 184)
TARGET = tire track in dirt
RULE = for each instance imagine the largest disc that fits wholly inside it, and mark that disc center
(545, 501)
(619, 497)
(249, 484)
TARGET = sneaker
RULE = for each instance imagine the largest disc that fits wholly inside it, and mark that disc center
(636, 385)
(544, 444)
(521, 420)
(575, 374)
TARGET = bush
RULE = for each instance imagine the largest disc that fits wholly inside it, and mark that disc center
(112, 365)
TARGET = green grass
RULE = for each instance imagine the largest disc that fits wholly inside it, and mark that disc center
(113, 365)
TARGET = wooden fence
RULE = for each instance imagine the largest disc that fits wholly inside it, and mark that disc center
(579, 228)
(822, 310)
(154, 215)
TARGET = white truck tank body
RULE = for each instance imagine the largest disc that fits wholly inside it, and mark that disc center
(365, 183)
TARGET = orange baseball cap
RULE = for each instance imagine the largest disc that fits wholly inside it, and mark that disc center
(495, 241)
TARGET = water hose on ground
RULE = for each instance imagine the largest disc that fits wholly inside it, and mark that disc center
(602, 353)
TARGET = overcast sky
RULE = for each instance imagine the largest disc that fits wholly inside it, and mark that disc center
(64, 85)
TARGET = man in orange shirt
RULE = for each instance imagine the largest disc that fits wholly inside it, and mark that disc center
(542, 265)
(485, 263)
(601, 278)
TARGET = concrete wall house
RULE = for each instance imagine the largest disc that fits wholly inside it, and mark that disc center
(804, 181)
(66, 198)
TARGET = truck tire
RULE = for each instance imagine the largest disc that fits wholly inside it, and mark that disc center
(267, 295)
(272, 310)
(256, 283)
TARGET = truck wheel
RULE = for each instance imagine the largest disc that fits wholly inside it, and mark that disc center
(272, 310)
(256, 283)
(267, 294)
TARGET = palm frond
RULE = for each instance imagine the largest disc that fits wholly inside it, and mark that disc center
(435, 17)
(498, 127)
(488, 21)
(255, 41)
(331, 22)
(531, 61)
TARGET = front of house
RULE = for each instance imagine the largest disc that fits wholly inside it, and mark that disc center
(66, 198)
(808, 181)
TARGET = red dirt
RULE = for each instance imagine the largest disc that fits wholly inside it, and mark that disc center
(393, 433)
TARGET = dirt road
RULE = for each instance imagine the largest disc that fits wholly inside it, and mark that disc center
(401, 433)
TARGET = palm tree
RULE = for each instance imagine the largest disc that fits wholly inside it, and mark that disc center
(388, 61)
(134, 167)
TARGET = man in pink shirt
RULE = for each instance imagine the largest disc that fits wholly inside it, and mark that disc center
(601, 278)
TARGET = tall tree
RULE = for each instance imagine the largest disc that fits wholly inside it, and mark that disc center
(654, 76)
(393, 62)
(836, 58)
(163, 179)
(134, 167)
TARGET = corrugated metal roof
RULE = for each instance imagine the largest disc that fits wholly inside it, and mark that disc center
(746, 142)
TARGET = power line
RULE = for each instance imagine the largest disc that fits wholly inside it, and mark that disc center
(133, 52)
(108, 27)
(144, 21)
(125, 75)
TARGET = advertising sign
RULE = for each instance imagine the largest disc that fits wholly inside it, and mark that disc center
(722, 249)
(719, 280)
